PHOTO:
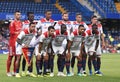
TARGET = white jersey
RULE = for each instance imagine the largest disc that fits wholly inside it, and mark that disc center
(67, 23)
(59, 42)
(77, 40)
(43, 24)
(75, 25)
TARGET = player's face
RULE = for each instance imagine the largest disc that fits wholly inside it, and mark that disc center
(81, 30)
(31, 17)
(48, 15)
(51, 32)
(78, 18)
(94, 20)
(32, 27)
(17, 15)
(65, 17)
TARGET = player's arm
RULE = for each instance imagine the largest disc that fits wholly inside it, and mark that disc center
(12, 28)
(42, 37)
(102, 37)
(19, 38)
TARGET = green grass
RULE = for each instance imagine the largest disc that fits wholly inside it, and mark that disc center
(110, 68)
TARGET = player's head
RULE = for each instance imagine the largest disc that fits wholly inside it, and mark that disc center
(94, 28)
(17, 15)
(48, 14)
(51, 30)
(32, 26)
(78, 17)
(94, 19)
(63, 28)
(30, 16)
(81, 29)
(65, 16)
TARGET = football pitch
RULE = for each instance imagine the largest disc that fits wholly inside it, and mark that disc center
(110, 68)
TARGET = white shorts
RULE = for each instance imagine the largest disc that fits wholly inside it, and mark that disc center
(18, 49)
(75, 52)
(91, 48)
(43, 52)
(58, 50)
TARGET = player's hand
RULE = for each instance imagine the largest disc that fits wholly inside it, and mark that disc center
(103, 45)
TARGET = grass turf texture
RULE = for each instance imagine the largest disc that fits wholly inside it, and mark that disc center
(110, 68)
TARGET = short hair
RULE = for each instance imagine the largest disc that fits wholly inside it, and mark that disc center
(29, 13)
(64, 13)
(32, 23)
(47, 11)
(50, 27)
(94, 16)
(81, 26)
(78, 14)
(17, 11)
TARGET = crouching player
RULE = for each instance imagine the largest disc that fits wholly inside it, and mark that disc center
(92, 46)
(25, 44)
(76, 45)
(59, 47)
(42, 50)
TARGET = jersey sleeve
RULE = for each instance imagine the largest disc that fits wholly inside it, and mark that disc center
(38, 25)
(12, 28)
(21, 35)
(42, 37)
(101, 29)
(57, 26)
(70, 37)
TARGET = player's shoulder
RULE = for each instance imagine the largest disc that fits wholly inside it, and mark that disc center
(99, 25)
(82, 23)
(51, 20)
(26, 22)
(43, 20)
(88, 32)
(69, 22)
(60, 22)
(74, 22)
(57, 32)
(26, 31)
(75, 32)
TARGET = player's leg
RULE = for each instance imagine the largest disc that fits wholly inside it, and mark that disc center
(17, 64)
(31, 62)
(73, 63)
(68, 56)
(23, 66)
(79, 65)
(90, 65)
(84, 58)
(51, 64)
(9, 61)
(45, 63)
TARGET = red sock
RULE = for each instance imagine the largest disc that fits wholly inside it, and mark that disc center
(9, 60)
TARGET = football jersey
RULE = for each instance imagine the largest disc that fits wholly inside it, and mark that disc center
(100, 29)
(26, 37)
(75, 25)
(67, 23)
(76, 39)
(59, 38)
(43, 24)
(91, 38)
(26, 24)
(45, 39)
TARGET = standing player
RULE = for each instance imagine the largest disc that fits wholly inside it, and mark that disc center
(27, 44)
(65, 20)
(43, 24)
(42, 49)
(75, 26)
(76, 45)
(94, 20)
(15, 28)
(92, 46)
(26, 23)
(59, 47)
